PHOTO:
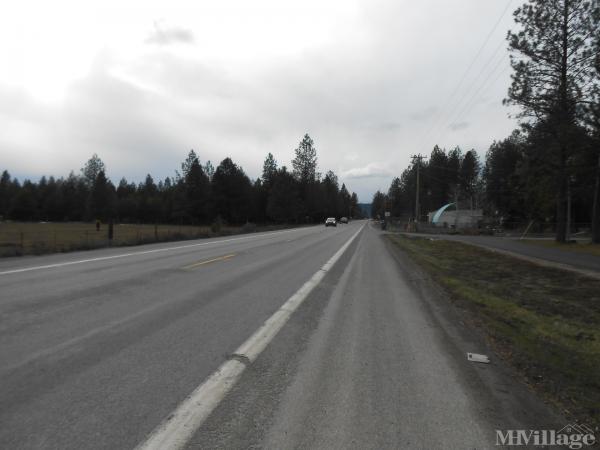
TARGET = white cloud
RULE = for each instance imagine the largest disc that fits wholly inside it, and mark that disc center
(169, 35)
(372, 170)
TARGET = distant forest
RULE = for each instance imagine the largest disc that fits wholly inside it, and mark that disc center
(197, 194)
(548, 170)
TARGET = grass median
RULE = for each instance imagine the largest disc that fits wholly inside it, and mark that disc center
(544, 321)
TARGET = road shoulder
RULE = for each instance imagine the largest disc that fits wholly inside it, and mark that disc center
(515, 400)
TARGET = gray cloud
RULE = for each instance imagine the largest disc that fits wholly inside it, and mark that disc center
(424, 114)
(366, 108)
(390, 126)
(458, 126)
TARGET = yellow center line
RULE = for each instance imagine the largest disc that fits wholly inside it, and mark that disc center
(208, 261)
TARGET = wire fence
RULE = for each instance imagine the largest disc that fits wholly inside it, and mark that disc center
(18, 238)
(531, 229)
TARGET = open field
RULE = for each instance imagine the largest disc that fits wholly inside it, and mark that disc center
(583, 247)
(544, 321)
(22, 238)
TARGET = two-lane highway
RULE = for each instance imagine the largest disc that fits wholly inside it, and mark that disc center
(102, 349)
(96, 348)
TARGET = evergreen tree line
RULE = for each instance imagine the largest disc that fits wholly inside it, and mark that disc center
(549, 168)
(198, 194)
(444, 177)
(510, 185)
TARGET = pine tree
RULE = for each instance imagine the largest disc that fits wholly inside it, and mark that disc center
(395, 197)
(5, 194)
(330, 194)
(378, 205)
(23, 205)
(101, 198)
(209, 170)
(283, 203)
(355, 212)
(501, 181)
(269, 169)
(305, 162)
(196, 187)
(231, 192)
(469, 173)
(551, 56)
(345, 201)
(454, 159)
(592, 119)
(92, 168)
(191, 159)
(437, 175)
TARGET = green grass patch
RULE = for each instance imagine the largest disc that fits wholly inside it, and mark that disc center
(544, 321)
(579, 247)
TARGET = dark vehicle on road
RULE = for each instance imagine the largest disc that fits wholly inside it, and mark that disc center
(344, 220)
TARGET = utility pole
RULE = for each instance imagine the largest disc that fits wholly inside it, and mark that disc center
(418, 158)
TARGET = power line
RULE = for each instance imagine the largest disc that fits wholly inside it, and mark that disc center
(460, 104)
(474, 98)
(438, 116)
(467, 106)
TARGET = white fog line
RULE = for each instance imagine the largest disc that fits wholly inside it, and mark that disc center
(181, 425)
(144, 252)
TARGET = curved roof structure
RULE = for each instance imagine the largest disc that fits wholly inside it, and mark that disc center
(439, 212)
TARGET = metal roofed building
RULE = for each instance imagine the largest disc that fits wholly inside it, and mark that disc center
(450, 217)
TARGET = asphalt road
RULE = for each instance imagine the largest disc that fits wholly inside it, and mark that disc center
(98, 348)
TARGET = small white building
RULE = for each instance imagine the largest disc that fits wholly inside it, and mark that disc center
(449, 217)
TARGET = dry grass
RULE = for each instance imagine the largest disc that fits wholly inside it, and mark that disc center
(544, 321)
(20, 238)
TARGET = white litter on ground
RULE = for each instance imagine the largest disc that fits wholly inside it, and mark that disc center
(475, 357)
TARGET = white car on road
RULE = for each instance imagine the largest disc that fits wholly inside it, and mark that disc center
(330, 222)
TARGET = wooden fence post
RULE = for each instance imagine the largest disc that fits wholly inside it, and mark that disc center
(111, 232)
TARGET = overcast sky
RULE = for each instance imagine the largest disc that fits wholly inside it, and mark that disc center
(143, 82)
